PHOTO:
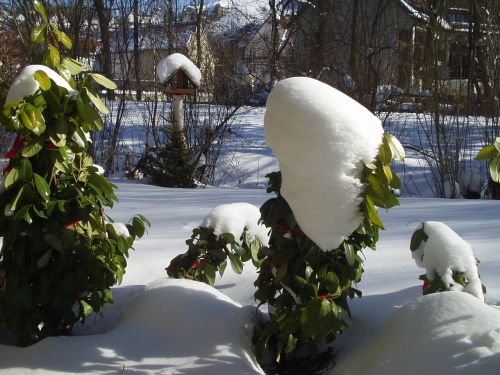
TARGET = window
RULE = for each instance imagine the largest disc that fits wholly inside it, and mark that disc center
(459, 61)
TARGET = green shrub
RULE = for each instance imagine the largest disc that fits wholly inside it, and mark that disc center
(208, 253)
(60, 256)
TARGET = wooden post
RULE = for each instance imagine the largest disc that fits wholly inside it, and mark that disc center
(178, 116)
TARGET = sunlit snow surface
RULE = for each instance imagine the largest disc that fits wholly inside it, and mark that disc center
(186, 346)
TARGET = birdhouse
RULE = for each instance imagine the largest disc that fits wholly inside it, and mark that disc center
(179, 84)
(178, 75)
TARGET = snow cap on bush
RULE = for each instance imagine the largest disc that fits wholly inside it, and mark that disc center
(234, 218)
(440, 250)
(169, 65)
(320, 137)
(26, 85)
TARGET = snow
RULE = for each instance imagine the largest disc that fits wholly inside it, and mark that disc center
(26, 85)
(120, 229)
(441, 333)
(234, 218)
(444, 252)
(320, 136)
(157, 325)
(164, 330)
(178, 329)
(169, 65)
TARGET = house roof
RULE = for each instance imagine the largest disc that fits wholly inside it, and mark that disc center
(153, 37)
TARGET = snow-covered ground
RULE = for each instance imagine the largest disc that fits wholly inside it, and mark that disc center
(157, 325)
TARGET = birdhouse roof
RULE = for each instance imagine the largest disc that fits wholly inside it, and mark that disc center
(168, 67)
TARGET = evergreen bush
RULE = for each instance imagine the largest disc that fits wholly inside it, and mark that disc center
(60, 253)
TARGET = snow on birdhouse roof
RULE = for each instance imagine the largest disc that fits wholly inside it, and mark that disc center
(169, 65)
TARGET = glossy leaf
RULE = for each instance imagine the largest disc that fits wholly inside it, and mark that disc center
(43, 79)
(487, 153)
(494, 167)
(38, 5)
(74, 66)
(97, 102)
(416, 239)
(42, 186)
(39, 34)
(103, 81)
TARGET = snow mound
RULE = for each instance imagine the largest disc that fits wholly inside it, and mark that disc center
(444, 252)
(234, 218)
(320, 136)
(169, 65)
(441, 333)
(174, 327)
(26, 85)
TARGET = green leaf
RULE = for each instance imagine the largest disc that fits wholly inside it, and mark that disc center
(42, 186)
(497, 143)
(495, 169)
(66, 40)
(397, 149)
(74, 66)
(43, 79)
(291, 344)
(416, 239)
(282, 271)
(222, 267)
(38, 34)
(44, 259)
(62, 37)
(55, 57)
(87, 309)
(32, 149)
(37, 4)
(350, 253)
(97, 102)
(487, 153)
(103, 81)
(254, 249)
(25, 169)
(236, 264)
(372, 213)
(385, 153)
(23, 214)
(11, 178)
(54, 241)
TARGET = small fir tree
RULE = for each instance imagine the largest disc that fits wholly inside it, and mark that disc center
(169, 165)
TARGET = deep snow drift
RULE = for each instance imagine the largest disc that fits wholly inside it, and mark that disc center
(441, 333)
(320, 137)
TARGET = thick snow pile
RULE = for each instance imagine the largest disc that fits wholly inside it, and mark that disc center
(234, 218)
(169, 65)
(26, 85)
(320, 136)
(445, 251)
(441, 333)
(174, 327)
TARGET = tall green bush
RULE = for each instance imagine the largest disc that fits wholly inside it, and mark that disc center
(60, 253)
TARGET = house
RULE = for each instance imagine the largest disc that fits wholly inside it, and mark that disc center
(153, 45)
(360, 46)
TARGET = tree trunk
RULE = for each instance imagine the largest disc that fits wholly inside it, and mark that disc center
(104, 17)
(137, 56)
(198, 33)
